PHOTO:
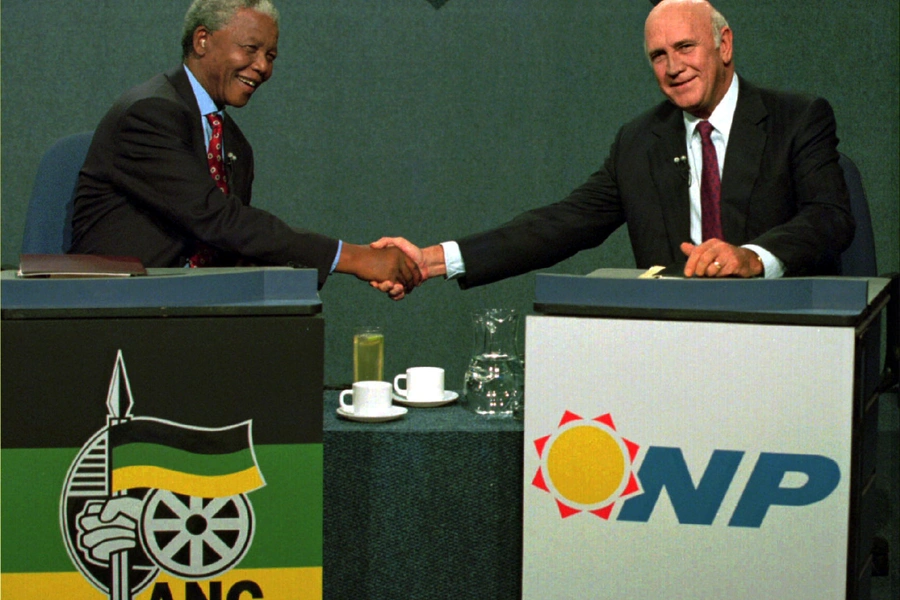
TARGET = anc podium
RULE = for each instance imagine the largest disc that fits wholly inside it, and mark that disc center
(700, 439)
(186, 405)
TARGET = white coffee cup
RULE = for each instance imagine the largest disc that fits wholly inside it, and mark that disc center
(423, 384)
(370, 399)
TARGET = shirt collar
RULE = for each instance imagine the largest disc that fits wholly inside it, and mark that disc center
(722, 115)
(204, 100)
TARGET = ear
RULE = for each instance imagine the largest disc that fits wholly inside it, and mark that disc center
(726, 47)
(201, 40)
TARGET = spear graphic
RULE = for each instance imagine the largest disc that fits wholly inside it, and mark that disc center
(119, 403)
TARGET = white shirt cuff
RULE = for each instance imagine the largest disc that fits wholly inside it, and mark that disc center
(337, 256)
(453, 260)
(773, 268)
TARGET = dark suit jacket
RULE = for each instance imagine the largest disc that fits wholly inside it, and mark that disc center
(145, 189)
(782, 189)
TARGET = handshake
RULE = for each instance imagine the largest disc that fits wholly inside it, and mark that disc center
(402, 265)
(392, 264)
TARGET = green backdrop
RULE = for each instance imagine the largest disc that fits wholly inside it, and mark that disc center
(437, 119)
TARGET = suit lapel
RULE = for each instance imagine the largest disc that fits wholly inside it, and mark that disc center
(237, 164)
(671, 179)
(746, 144)
(182, 85)
(238, 171)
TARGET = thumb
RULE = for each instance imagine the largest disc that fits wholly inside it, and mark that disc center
(687, 248)
(122, 505)
(382, 243)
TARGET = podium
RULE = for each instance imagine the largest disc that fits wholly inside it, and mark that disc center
(695, 439)
(189, 399)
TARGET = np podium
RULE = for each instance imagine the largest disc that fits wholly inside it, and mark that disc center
(701, 439)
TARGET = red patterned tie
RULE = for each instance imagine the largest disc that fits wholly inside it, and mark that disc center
(206, 256)
(214, 153)
(710, 185)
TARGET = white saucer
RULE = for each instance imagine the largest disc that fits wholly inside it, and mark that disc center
(396, 413)
(447, 399)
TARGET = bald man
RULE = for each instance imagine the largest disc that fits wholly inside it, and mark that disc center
(782, 206)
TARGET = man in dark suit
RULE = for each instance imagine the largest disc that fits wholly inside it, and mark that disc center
(782, 206)
(150, 189)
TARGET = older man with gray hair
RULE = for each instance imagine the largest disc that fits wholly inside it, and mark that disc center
(168, 175)
(721, 179)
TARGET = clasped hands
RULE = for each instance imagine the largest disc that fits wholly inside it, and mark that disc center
(712, 258)
(379, 264)
(429, 261)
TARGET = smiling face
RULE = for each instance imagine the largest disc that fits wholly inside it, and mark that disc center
(691, 71)
(231, 63)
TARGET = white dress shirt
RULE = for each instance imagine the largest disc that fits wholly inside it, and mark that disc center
(721, 120)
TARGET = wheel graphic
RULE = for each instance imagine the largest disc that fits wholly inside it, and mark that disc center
(196, 538)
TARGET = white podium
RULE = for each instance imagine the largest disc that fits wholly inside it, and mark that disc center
(700, 439)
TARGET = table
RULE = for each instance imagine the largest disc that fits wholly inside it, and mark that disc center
(425, 507)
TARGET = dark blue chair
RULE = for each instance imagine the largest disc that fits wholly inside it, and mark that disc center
(859, 259)
(48, 222)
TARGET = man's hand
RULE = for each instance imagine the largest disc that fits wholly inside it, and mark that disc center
(105, 528)
(715, 258)
(415, 253)
(379, 265)
(430, 261)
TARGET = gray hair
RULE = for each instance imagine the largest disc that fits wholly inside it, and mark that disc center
(718, 23)
(216, 14)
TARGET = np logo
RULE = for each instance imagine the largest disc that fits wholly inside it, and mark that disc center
(587, 466)
(145, 495)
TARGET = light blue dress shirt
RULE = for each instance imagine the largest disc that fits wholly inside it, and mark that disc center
(207, 107)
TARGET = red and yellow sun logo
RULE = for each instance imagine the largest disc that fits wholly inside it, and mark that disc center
(586, 465)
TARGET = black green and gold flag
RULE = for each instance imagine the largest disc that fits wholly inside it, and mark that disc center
(195, 461)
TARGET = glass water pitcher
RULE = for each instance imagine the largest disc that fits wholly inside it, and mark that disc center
(495, 379)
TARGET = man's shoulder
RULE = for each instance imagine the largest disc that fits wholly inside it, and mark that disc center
(162, 94)
(159, 99)
(777, 101)
(162, 85)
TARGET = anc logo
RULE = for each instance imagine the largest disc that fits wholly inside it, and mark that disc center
(586, 465)
(145, 495)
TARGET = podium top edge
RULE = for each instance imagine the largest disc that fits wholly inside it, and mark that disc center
(259, 287)
(618, 292)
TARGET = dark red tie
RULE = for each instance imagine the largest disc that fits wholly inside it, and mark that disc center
(214, 153)
(206, 256)
(710, 185)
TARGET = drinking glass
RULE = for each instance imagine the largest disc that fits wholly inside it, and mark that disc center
(368, 354)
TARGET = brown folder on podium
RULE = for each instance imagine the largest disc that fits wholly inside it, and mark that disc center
(79, 265)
